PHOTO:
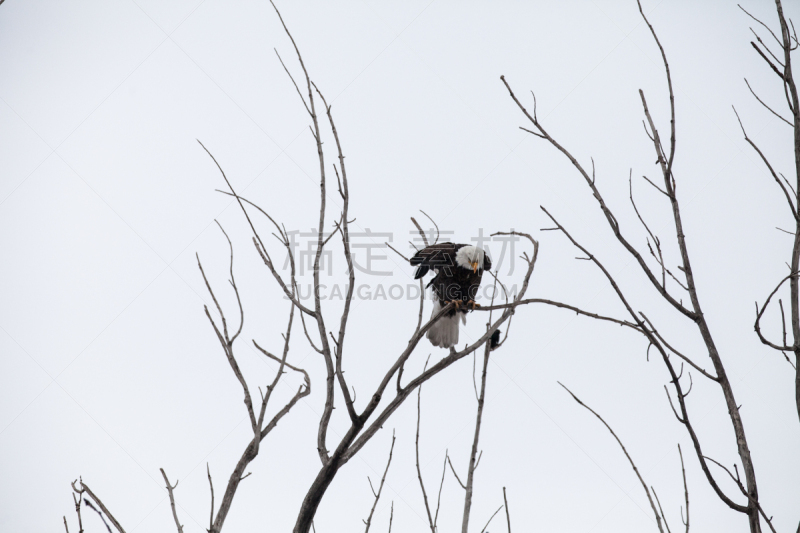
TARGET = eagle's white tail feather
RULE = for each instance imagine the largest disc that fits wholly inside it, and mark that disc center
(445, 332)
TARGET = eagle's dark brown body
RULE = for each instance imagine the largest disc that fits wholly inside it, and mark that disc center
(462, 285)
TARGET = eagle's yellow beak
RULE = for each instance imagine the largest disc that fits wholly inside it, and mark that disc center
(474, 266)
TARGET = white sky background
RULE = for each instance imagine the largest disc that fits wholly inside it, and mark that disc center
(110, 370)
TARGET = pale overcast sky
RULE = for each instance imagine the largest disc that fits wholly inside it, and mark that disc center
(109, 369)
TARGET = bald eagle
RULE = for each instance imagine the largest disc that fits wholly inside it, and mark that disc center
(459, 268)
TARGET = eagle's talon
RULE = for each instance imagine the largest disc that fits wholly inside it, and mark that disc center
(473, 304)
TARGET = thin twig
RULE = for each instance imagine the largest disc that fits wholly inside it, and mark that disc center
(93, 508)
(170, 489)
(685, 490)
(85, 488)
(760, 313)
(490, 519)
(439, 497)
(211, 485)
(508, 516)
(416, 452)
(452, 469)
(792, 206)
(473, 458)
(765, 105)
(633, 465)
(368, 521)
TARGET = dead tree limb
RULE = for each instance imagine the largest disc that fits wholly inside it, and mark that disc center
(257, 420)
(89, 504)
(431, 522)
(685, 491)
(508, 515)
(77, 500)
(84, 488)
(170, 489)
(377, 495)
(490, 519)
(474, 452)
(627, 456)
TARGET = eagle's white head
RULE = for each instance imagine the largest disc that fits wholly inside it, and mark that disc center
(470, 257)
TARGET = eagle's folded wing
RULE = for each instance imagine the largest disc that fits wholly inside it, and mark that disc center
(434, 257)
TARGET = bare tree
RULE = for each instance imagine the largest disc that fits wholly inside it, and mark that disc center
(364, 422)
(665, 282)
(367, 417)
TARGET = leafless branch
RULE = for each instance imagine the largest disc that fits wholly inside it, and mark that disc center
(88, 504)
(659, 189)
(78, 499)
(490, 519)
(473, 464)
(368, 521)
(170, 489)
(505, 504)
(737, 480)
(345, 231)
(760, 313)
(763, 157)
(660, 509)
(612, 221)
(85, 488)
(211, 486)
(562, 306)
(421, 232)
(416, 451)
(262, 250)
(293, 82)
(685, 491)
(421, 284)
(622, 446)
(676, 352)
(765, 105)
(659, 258)
(774, 68)
(452, 469)
(439, 497)
(227, 344)
(308, 337)
(665, 165)
(395, 251)
(684, 417)
(435, 225)
(762, 24)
